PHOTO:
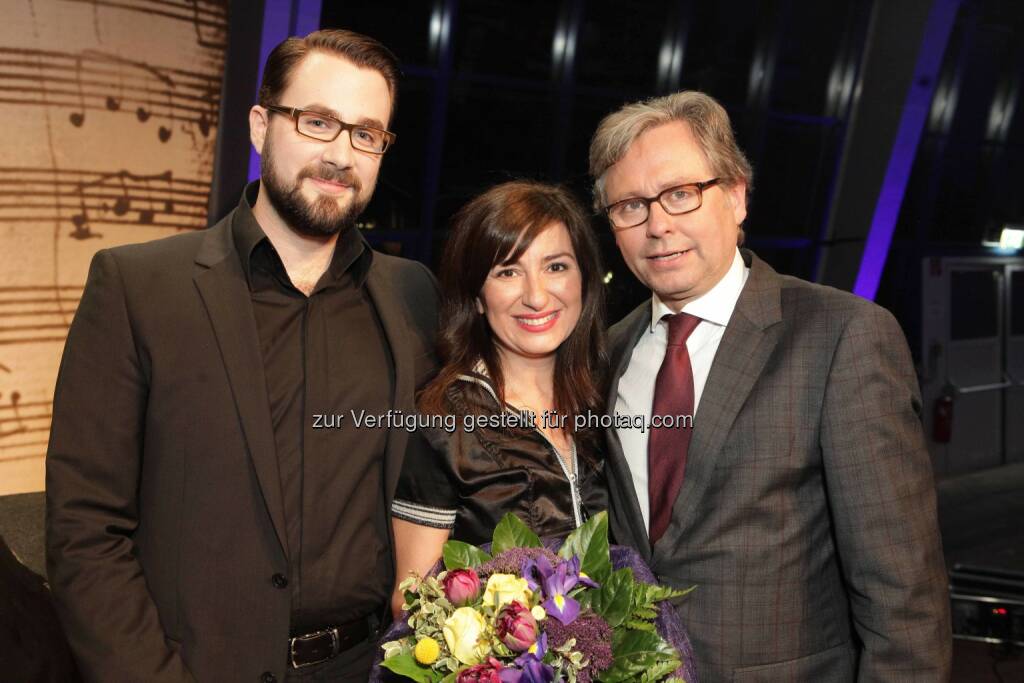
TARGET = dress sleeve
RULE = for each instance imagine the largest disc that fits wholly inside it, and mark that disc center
(426, 492)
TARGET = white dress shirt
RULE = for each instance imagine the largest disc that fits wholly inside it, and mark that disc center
(636, 387)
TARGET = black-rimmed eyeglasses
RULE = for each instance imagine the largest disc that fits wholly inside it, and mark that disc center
(631, 212)
(326, 128)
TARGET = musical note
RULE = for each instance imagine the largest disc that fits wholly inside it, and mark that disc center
(80, 220)
(160, 109)
(114, 103)
(77, 118)
(98, 81)
(143, 114)
(86, 200)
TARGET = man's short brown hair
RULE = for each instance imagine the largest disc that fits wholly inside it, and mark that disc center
(361, 50)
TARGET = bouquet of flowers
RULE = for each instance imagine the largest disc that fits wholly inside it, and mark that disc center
(523, 614)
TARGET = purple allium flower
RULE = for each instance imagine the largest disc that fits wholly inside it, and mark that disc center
(511, 561)
(593, 638)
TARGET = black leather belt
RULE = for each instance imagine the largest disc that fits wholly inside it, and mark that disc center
(326, 644)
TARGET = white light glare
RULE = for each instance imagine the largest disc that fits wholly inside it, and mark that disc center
(1012, 238)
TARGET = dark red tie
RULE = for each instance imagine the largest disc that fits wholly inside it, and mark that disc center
(666, 450)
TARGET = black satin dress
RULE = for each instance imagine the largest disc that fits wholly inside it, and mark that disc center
(467, 480)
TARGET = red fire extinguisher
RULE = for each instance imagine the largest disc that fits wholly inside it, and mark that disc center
(942, 418)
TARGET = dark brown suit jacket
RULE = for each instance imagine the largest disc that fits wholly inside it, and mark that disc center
(807, 518)
(165, 520)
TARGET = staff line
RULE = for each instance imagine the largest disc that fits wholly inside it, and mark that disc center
(31, 314)
(76, 58)
(26, 457)
(165, 176)
(160, 13)
(193, 81)
(131, 196)
(106, 221)
(160, 111)
(33, 340)
(119, 87)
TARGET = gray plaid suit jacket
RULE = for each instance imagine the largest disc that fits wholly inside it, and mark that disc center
(807, 519)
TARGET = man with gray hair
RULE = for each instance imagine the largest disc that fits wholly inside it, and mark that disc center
(800, 500)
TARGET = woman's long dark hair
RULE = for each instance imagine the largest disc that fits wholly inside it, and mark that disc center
(496, 227)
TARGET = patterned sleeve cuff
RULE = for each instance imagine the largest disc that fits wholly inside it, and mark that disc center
(439, 518)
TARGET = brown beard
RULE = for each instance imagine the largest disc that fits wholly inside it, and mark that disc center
(320, 218)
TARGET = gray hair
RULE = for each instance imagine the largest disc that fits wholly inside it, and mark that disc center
(708, 122)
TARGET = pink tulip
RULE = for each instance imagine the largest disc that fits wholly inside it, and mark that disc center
(481, 673)
(461, 587)
(516, 627)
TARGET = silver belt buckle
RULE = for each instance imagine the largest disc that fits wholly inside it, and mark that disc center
(310, 636)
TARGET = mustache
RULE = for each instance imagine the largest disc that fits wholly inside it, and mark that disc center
(333, 175)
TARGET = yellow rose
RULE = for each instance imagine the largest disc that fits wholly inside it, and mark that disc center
(426, 651)
(463, 631)
(504, 588)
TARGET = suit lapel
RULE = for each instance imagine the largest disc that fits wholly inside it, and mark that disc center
(627, 515)
(748, 342)
(222, 287)
(396, 330)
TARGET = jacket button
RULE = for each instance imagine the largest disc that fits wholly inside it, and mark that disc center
(268, 677)
(280, 581)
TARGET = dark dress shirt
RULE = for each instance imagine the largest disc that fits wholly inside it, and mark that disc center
(325, 354)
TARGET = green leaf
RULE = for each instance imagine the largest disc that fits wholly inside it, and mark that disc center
(659, 671)
(636, 652)
(511, 532)
(652, 594)
(614, 599)
(459, 555)
(640, 625)
(406, 665)
(590, 542)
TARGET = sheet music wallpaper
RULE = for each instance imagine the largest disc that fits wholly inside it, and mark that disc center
(108, 111)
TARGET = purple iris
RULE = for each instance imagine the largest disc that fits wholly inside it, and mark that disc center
(555, 584)
(531, 668)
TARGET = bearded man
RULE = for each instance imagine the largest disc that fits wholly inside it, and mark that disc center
(199, 525)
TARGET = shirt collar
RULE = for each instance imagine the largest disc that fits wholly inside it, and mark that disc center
(351, 250)
(717, 304)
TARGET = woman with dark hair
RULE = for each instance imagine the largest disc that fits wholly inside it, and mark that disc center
(522, 333)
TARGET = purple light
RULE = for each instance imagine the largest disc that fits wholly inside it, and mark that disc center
(282, 18)
(904, 149)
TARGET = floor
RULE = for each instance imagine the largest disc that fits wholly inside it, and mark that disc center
(21, 526)
(982, 517)
(982, 520)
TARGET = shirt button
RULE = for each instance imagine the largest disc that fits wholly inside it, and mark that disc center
(279, 580)
(268, 677)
